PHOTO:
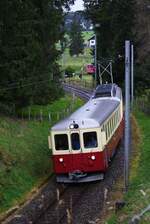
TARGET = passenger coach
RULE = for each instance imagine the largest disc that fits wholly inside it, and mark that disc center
(83, 144)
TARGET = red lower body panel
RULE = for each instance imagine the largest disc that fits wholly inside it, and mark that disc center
(81, 161)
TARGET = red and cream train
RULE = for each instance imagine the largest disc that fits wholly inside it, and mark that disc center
(83, 144)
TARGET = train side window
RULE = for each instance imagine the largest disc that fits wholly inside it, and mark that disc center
(106, 131)
(108, 128)
(61, 142)
(75, 141)
(117, 116)
(115, 119)
(112, 123)
(114, 92)
(90, 139)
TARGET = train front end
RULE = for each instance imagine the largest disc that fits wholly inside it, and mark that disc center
(77, 152)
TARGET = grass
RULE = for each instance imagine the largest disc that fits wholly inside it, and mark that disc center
(87, 78)
(60, 105)
(138, 195)
(23, 146)
(76, 62)
(24, 155)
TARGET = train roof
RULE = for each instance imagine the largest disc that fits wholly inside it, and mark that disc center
(93, 113)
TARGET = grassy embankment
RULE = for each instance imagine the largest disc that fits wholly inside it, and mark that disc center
(138, 195)
(24, 154)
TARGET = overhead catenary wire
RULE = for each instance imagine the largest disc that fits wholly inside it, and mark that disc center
(25, 85)
(21, 82)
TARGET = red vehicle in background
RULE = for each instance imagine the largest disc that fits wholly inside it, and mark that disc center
(90, 69)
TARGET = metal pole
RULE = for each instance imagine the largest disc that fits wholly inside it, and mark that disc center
(111, 72)
(95, 59)
(132, 74)
(127, 112)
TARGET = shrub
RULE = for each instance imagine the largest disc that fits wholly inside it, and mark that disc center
(69, 71)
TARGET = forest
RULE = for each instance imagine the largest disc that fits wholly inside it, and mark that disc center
(33, 44)
(29, 32)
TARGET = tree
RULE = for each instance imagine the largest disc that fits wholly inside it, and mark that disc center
(116, 21)
(29, 31)
(142, 77)
(76, 39)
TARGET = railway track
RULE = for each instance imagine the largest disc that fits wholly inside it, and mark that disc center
(78, 91)
(62, 210)
(71, 204)
(83, 203)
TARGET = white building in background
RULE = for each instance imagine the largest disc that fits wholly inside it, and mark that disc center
(91, 41)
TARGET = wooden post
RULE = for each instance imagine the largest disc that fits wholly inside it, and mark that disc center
(29, 112)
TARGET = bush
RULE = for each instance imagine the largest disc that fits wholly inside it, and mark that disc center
(7, 109)
(142, 77)
(69, 71)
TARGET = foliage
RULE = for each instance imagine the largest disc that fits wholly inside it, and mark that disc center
(142, 77)
(80, 16)
(76, 38)
(113, 22)
(138, 196)
(76, 62)
(87, 35)
(29, 31)
(69, 71)
(141, 181)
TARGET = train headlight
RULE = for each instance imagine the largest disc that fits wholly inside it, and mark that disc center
(73, 125)
(61, 160)
(93, 157)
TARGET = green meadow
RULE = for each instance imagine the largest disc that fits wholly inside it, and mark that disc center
(138, 196)
(77, 62)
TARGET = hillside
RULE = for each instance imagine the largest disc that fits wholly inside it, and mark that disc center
(24, 155)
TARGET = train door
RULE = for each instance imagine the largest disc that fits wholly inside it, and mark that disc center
(77, 160)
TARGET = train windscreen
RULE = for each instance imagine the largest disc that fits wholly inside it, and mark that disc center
(75, 141)
(106, 94)
(61, 142)
(90, 139)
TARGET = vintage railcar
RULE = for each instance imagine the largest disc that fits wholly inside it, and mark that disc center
(90, 69)
(84, 143)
